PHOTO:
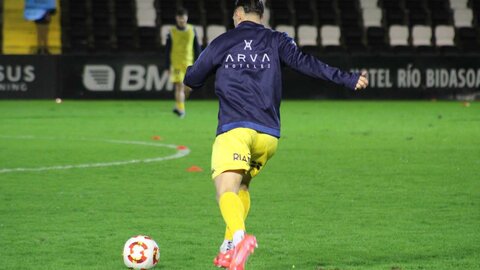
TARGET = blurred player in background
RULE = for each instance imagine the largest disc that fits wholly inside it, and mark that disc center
(182, 49)
(247, 61)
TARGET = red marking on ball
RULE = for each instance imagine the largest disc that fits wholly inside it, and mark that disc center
(143, 258)
(155, 254)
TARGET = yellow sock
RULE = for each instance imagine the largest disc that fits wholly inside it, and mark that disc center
(233, 211)
(180, 106)
(244, 196)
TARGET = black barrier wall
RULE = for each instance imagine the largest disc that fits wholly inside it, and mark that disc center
(28, 77)
(395, 77)
(143, 77)
(138, 76)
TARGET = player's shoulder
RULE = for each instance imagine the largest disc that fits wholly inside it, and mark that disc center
(222, 38)
(280, 35)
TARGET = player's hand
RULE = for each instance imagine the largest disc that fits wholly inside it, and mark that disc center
(362, 81)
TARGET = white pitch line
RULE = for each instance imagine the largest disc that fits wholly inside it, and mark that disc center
(180, 153)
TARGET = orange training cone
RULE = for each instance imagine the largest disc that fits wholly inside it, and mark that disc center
(194, 169)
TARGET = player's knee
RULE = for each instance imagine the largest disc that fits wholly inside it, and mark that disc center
(228, 181)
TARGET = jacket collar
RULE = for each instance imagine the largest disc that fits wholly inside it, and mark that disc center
(250, 24)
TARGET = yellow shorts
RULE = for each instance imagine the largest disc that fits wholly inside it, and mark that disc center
(242, 149)
(177, 74)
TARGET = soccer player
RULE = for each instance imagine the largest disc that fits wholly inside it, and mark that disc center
(247, 62)
(182, 48)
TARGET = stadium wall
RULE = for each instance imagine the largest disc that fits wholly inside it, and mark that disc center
(29, 76)
(142, 77)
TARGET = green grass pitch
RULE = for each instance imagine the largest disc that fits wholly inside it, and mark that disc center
(353, 185)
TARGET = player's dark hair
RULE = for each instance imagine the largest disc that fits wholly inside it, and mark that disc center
(251, 6)
(181, 11)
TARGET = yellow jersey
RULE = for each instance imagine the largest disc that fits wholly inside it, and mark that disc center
(182, 50)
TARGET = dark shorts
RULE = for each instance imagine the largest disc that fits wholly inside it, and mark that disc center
(46, 18)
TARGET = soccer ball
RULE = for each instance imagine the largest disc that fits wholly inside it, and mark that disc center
(141, 252)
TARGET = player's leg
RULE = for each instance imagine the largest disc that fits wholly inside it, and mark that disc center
(224, 258)
(228, 185)
(179, 99)
(176, 77)
(244, 195)
(230, 161)
(263, 147)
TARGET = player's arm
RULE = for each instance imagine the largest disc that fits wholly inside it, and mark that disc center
(168, 50)
(309, 65)
(205, 65)
(196, 45)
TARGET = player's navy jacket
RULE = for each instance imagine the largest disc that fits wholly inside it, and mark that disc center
(247, 61)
